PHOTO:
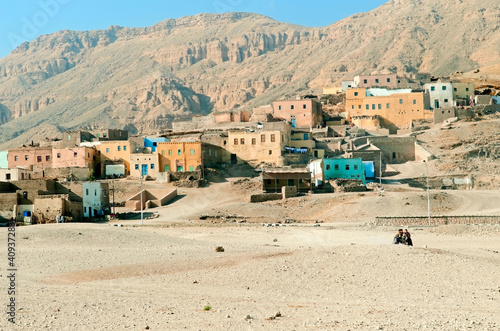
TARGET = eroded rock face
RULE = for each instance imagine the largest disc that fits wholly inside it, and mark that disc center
(147, 77)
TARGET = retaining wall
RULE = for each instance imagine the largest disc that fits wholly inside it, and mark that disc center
(435, 220)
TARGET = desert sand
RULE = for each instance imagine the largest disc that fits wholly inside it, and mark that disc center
(341, 275)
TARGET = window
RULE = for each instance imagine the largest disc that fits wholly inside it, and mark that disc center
(209, 152)
(16, 158)
(466, 89)
(104, 135)
(155, 144)
(444, 88)
(254, 141)
(388, 80)
(163, 152)
(353, 107)
(169, 152)
(26, 157)
(86, 191)
(279, 107)
(107, 150)
(365, 81)
(236, 141)
(192, 152)
(346, 167)
(290, 182)
(119, 148)
(355, 94)
(273, 137)
(336, 167)
(262, 138)
(124, 148)
(359, 106)
(355, 167)
(445, 100)
(7, 176)
(75, 154)
(136, 167)
(433, 88)
(84, 209)
(69, 137)
(414, 102)
(38, 159)
(167, 168)
(215, 153)
(373, 106)
(179, 152)
(304, 106)
(388, 106)
(367, 107)
(400, 101)
(25, 195)
(191, 168)
(152, 165)
(58, 155)
(292, 107)
(376, 80)
(47, 157)
(268, 182)
(270, 152)
(327, 167)
(242, 141)
(455, 89)
(95, 192)
(379, 106)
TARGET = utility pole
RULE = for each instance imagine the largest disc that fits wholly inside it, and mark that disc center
(142, 214)
(380, 169)
(114, 207)
(428, 193)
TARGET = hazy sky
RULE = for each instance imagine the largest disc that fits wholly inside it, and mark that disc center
(24, 20)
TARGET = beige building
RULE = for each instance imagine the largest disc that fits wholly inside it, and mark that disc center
(179, 156)
(80, 157)
(463, 93)
(7, 175)
(332, 90)
(369, 81)
(396, 108)
(254, 147)
(146, 164)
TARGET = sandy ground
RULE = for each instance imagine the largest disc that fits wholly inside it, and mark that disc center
(342, 275)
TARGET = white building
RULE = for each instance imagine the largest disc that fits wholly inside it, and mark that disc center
(95, 198)
(438, 95)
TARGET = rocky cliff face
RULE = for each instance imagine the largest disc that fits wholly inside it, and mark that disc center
(144, 78)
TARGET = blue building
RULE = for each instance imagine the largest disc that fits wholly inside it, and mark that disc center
(152, 142)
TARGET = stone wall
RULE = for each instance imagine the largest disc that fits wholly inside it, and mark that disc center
(197, 123)
(435, 220)
(265, 197)
(7, 203)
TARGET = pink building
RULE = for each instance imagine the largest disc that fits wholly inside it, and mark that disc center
(300, 113)
(81, 157)
(33, 158)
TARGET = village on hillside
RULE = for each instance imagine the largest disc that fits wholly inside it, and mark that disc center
(346, 140)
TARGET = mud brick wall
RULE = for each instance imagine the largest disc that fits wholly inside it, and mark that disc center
(435, 220)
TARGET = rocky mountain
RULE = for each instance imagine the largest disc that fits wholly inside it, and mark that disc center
(144, 78)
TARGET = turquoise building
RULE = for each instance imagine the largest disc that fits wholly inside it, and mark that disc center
(4, 164)
(344, 168)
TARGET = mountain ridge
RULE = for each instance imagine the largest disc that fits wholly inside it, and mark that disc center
(144, 78)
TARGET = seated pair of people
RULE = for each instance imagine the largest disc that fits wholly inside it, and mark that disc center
(403, 237)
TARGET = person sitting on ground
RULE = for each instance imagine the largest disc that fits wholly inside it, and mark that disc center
(399, 237)
(407, 238)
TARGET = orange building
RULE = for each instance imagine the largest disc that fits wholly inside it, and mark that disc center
(397, 108)
(179, 156)
(113, 152)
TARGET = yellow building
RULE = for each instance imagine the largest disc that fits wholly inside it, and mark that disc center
(144, 164)
(113, 152)
(179, 156)
(397, 108)
(332, 90)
